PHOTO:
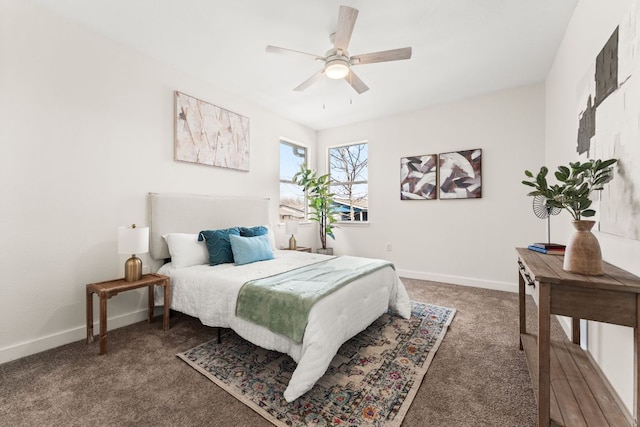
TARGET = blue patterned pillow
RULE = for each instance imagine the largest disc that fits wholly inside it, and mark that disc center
(253, 231)
(250, 249)
(218, 244)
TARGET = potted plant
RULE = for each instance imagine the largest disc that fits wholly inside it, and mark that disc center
(578, 181)
(320, 200)
(575, 184)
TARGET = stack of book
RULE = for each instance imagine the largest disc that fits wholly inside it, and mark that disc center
(548, 248)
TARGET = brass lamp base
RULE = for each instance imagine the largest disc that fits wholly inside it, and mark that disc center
(292, 243)
(133, 269)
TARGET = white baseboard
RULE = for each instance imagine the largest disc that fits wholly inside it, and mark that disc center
(457, 280)
(48, 342)
(565, 322)
(38, 345)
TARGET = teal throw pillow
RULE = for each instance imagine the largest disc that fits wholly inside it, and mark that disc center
(218, 244)
(250, 249)
(253, 231)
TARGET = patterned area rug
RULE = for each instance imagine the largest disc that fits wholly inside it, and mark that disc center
(371, 381)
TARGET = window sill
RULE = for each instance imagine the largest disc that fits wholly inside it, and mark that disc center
(352, 224)
(300, 223)
(338, 223)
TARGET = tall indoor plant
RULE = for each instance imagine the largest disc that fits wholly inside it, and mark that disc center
(320, 200)
(575, 184)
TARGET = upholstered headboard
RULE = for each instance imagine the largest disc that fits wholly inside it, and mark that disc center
(184, 213)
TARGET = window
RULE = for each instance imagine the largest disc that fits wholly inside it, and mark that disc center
(293, 203)
(349, 181)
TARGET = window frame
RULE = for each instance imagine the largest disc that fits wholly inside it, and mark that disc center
(298, 145)
(334, 183)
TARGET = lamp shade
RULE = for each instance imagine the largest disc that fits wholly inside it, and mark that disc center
(133, 240)
(292, 227)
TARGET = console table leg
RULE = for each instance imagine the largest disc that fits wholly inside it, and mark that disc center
(636, 367)
(544, 358)
(575, 330)
(522, 306)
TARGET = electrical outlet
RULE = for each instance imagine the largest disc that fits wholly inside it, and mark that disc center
(389, 247)
(146, 269)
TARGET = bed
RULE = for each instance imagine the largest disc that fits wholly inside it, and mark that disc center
(210, 292)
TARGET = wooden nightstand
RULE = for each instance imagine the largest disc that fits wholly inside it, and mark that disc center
(300, 249)
(106, 290)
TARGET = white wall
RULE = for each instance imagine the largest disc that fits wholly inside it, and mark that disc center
(468, 242)
(591, 26)
(86, 131)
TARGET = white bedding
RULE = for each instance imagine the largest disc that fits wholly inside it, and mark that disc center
(209, 293)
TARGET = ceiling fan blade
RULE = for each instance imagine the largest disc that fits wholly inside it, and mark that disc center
(311, 80)
(285, 51)
(356, 83)
(383, 56)
(346, 21)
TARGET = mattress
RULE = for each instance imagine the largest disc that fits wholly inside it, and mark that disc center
(210, 293)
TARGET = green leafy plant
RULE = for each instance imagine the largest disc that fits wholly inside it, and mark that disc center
(576, 183)
(320, 200)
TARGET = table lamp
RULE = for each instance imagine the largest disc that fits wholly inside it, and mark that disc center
(292, 228)
(133, 240)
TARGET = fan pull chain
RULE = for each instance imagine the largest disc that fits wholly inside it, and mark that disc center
(324, 91)
(350, 84)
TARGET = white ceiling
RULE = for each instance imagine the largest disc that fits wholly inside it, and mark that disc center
(461, 48)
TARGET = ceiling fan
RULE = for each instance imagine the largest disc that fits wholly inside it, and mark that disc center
(337, 62)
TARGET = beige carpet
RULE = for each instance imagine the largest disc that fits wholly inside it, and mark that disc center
(481, 376)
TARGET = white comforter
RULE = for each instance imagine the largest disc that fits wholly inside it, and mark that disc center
(210, 293)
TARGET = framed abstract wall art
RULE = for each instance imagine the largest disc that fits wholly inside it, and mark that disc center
(608, 113)
(418, 177)
(209, 135)
(460, 174)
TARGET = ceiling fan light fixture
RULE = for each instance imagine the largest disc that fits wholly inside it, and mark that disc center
(336, 69)
(337, 61)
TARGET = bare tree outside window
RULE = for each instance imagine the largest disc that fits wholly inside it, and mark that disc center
(348, 167)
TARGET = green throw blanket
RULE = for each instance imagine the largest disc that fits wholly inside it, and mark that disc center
(282, 302)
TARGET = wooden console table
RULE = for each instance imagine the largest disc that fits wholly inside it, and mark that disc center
(569, 389)
(106, 290)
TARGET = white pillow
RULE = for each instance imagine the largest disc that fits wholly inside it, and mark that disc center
(272, 237)
(185, 250)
